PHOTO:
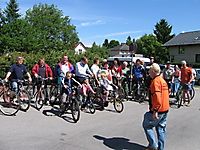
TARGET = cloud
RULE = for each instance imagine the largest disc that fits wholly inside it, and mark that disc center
(118, 34)
(92, 23)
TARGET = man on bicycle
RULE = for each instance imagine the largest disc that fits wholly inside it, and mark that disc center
(186, 79)
(82, 70)
(17, 72)
(42, 70)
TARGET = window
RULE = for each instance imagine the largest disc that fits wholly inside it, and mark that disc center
(172, 58)
(181, 50)
(80, 51)
(197, 58)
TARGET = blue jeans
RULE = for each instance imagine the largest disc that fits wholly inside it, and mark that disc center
(14, 86)
(176, 85)
(160, 125)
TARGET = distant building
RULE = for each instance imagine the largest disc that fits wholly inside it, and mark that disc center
(80, 48)
(122, 50)
(185, 46)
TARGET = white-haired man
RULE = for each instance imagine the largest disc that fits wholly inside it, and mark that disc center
(158, 110)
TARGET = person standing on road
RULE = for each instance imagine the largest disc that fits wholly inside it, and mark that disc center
(186, 79)
(167, 75)
(159, 107)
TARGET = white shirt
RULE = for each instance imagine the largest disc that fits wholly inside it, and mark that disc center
(82, 70)
(65, 68)
(95, 69)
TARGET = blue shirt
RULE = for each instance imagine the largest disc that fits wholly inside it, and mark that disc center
(138, 72)
(18, 71)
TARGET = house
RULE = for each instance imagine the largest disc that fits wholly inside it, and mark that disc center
(80, 48)
(185, 46)
(122, 49)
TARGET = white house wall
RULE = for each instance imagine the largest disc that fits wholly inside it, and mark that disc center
(78, 48)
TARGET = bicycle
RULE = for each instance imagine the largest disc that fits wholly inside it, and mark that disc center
(180, 94)
(9, 104)
(71, 104)
(114, 98)
(140, 91)
(41, 95)
(54, 93)
(23, 95)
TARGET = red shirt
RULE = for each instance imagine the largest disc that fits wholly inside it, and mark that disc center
(186, 74)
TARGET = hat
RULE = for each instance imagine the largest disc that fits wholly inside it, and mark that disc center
(168, 62)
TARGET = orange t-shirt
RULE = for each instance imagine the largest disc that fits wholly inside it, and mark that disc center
(186, 74)
(159, 95)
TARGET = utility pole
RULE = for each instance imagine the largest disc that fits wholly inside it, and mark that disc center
(132, 50)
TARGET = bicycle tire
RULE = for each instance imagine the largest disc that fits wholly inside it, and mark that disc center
(24, 99)
(75, 110)
(91, 108)
(39, 99)
(117, 103)
(98, 103)
(9, 108)
(53, 95)
(193, 93)
(179, 99)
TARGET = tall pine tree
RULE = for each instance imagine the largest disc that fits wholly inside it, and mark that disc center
(11, 11)
(163, 31)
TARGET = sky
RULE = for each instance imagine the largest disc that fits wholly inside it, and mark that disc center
(97, 20)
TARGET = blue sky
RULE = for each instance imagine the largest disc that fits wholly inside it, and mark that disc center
(97, 20)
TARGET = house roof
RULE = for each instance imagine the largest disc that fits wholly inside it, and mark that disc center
(80, 44)
(187, 38)
(122, 47)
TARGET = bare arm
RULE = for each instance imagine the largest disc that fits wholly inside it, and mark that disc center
(7, 76)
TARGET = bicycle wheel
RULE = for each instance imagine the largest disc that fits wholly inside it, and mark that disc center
(118, 105)
(98, 103)
(121, 93)
(53, 95)
(180, 99)
(75, 110)
(91, 107)
(192, 93)
(39, 100)
(143, 94)
(9, 105)
(24, 98)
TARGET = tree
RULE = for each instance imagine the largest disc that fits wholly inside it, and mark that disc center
(11, 11)
(106, 43)
(113, 43)
(51, 30)
(163, 31)
(149, 46)
(129, 41)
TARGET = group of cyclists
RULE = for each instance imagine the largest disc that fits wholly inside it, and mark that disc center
(107, 76)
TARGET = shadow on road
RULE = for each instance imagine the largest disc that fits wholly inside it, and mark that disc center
(119, 143)
(56, 112)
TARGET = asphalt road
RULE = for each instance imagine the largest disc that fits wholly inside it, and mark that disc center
(106, 130)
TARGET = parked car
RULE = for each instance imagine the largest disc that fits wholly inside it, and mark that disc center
(198, 76)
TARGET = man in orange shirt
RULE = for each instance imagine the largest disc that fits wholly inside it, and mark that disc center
(159, 107)
(186, 79)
